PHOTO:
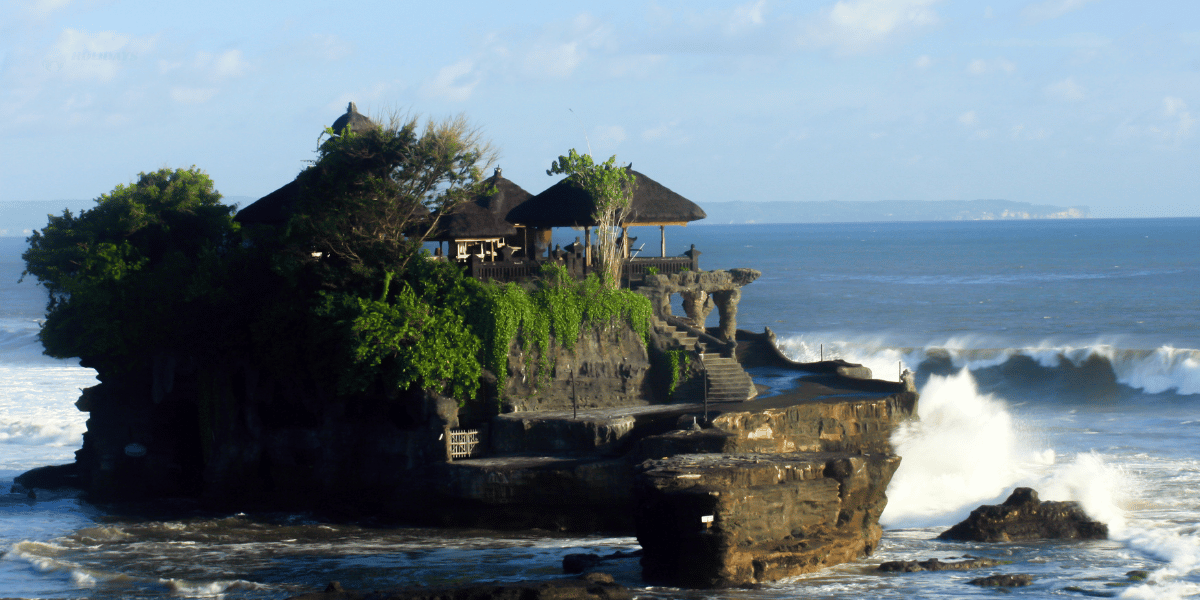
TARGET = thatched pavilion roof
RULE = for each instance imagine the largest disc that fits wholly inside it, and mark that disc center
(354, 119)
(277, 207)
(565, 204)
(484, 216)
(274, 208)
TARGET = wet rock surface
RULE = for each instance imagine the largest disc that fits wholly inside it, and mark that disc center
(1024, 517)
(1014, 580)
(593, 586)
(933, 564)
(578, 563)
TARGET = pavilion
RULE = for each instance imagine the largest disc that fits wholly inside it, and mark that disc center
(566, 204)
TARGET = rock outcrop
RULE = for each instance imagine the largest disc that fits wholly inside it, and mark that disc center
(933, 564)
(713, 520)
(1024, 517)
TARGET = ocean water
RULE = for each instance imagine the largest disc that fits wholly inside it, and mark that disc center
(1061, 355)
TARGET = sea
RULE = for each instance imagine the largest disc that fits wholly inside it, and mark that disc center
(1062, 355)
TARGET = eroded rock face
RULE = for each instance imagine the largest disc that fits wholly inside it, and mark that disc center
(1024, 517)
(845, 425)
(608, 367)
(712, 520)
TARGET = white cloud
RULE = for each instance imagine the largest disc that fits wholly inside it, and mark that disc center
(609, 135)
(1176, 109)
(1066, 90)
(923, 62)
(166, 66)
(854, 26)
(558, 51)
(44, 8)
(554, 60)
(377, 93)
(85, 56)
(191, 95)
(225, 65)
(745, 18)
(968, 118)
(453, 82)
(329, 47)
(1051, 9)
(1020, 132)
(1172, 123)
(980, 66)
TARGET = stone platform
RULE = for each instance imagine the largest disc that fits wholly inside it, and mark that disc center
(762, 489)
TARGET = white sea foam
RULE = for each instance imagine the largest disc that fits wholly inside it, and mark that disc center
(964, 449)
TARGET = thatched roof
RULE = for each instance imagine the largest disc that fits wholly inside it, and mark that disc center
(484, 216)
(274, 208)
(277, 207)
(565, 204)
(355, 120)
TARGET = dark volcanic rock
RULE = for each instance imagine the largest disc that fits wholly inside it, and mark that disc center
(50, 478)
(578, 563)
(933, 564)
(593, 586)
(1024, 517)
(1014, 580)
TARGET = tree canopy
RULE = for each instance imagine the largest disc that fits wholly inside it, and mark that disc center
(118, 274)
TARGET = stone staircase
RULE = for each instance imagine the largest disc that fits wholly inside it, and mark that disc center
(727, 380)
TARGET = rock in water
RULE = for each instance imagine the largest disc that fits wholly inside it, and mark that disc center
(1015, 580)
(1024, 517)
(933, 564)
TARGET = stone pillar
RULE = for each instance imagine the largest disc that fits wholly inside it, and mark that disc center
(697, 304)
(727, 301)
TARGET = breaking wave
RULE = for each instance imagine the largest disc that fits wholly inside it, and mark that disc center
(1096, 369)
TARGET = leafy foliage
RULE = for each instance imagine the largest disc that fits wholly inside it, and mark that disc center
(128, 277)
(558, 307)
(372, 198)
(611, 188)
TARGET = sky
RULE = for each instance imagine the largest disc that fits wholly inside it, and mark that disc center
(1062, 102)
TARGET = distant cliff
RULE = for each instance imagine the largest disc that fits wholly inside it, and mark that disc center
(833, 211)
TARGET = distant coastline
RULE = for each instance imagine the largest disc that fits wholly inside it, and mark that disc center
(835, 211)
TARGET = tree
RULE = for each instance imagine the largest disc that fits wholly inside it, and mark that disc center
(371, 198)
(611, 188)
(132, 275)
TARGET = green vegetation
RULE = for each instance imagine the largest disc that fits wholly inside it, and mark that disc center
(556, 306)
(132, 276)
(611, 188)
(678, 360)
(341, 300)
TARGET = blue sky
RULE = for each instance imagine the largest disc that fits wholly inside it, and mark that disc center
(1061, 102)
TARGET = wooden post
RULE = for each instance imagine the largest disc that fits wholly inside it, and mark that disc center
(662, 232)
(587, 249)
(625, 240)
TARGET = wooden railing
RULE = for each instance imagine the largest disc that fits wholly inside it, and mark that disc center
(463, 443)
(635, 269)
